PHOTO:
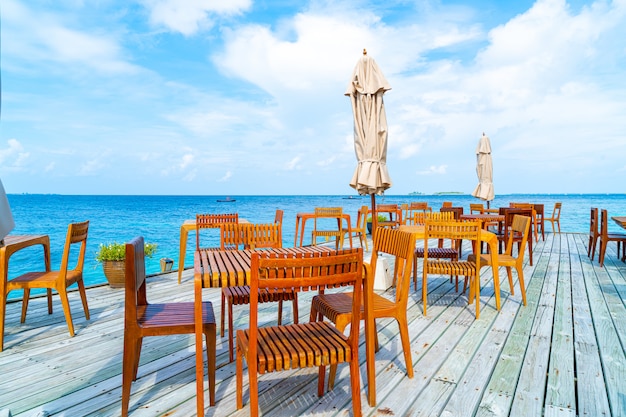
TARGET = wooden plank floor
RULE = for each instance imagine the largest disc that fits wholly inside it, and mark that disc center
(564, 354)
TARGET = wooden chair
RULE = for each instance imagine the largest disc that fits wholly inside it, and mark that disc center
(606, 237)
(447, 204)
(360, 230)
(305, 345)
(142, 319)
(259, 236)
(394, 213)
(477, 208)
(328, 213)
(58, 280)
(503, 230)
(555, 217)
(337, 307)
(529, 206)
(454, 230)
(417, 207)
(519, 226)
(440, 252)
(406, 217)
(594, 233)
(212, 221)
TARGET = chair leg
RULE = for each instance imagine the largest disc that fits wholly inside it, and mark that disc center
(3, 311)
(509, 273)
(603, 244)
(128, 369)
(294, 306)
(321, 374)
(239, 378)
(355, 385)
(49, 297)
(406, 344)
(210, 353)
(522, 284)
(230, 329)
(424, 290)
(341, 326)
(25, 299)
(83, 298)
(65, 302)
(223, 314)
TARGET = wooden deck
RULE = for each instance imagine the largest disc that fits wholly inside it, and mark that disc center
(564, 354)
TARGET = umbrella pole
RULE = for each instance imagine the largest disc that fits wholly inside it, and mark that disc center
(370, 326)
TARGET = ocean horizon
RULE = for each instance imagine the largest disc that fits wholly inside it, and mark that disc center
(119, 218)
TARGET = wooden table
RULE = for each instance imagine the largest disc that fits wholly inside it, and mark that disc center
(185, 228)
(301, 219)
(485, 236)
(12, 244)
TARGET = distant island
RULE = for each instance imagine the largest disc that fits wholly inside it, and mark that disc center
(449, 193)
(416, 193)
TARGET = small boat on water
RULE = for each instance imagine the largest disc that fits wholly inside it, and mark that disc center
(227, 200)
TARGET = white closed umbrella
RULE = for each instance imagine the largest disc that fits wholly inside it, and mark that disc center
(366, 89)
(484, 170)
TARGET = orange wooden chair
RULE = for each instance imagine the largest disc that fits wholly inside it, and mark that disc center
(446, 204)
(393, 211)
(440, 251)
(328, 213)
(470, 270)
(555, 218)
(278, 218)
(337, 307)
(477, 208)
(504, 227)
(360, 230)
(212, 221)
(606, 237)
(142, 319)
(58, 280)
(519, 226)
(594, 233)
(305, 345)
(259, 236)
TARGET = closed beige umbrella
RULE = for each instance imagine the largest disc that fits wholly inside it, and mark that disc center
(366, 89)
(484, 169)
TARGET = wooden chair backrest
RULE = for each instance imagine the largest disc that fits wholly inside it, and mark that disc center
(419, 205)
(330, 212)
(446, 204)
(278, 217)
(234, 235)
(458, 211)
(454, 230)
(556, 212)
(264, 236)
(520, 226)
(594, 229)
(401, 245)
(395, 214)
(361, 218)
(604, 225)
(76, 233)
(304, 272)
(135, 281)
(210, 221)
(477, 208)
(422, 217)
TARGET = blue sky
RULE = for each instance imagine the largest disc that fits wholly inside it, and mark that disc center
(235, 97)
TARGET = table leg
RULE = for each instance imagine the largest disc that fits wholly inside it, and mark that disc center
(183, 250)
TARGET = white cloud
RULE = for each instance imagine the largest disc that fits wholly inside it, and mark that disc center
(226, 177)
(293, 164)
(190, 16)
(14, 156)
(434, 170)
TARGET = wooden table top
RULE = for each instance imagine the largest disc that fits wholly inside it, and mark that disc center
(620, 220)
(227, 268)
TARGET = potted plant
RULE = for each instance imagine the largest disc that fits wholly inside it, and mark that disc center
(112, 256)
(380, 217)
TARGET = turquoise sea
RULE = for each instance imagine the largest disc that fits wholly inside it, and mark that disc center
(158, 218)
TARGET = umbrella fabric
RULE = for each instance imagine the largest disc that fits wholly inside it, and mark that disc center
(366, 89)
(484, 169)
(6, 218)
